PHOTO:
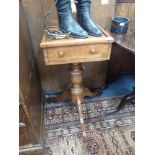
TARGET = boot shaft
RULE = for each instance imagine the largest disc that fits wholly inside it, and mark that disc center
(83, 2)
(63, 6)
(83, 5)
(84, 18)
(67, 23)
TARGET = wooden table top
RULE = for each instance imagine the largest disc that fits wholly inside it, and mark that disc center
(105, 38)
(126, 40)
(74, 50)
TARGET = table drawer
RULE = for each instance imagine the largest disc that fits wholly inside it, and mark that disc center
(75, 54)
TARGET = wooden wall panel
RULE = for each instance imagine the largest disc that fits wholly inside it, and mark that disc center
(31, 98)
(102, 13)
(126, 10)
(55, 78)
(24, 137)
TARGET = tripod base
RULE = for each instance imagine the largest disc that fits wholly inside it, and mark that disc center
(76, 93)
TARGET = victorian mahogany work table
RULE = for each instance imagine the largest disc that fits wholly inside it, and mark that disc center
(76, 51)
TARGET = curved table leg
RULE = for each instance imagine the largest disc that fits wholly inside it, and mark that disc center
(79, 102)
(65, 95)
(87, 92)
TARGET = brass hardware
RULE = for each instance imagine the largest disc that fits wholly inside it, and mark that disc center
(93, 51)
(61, 53)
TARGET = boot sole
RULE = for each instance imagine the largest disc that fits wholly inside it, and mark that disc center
(95, 35)
(78, 37)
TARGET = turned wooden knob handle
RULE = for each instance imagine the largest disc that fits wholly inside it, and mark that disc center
(61, 53)
(92, 51)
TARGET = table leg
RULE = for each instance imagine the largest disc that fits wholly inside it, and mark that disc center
(87, 92)
(76, 76)
(76, 93)
(65, 95)
(81, 118)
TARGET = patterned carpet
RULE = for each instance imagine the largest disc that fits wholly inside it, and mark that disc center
(107, 134)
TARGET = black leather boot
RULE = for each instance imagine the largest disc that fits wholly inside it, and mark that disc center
(66, 21)
(84, 18)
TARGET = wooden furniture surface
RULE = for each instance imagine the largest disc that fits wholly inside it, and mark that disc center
(55, 78)
(73, 50)
(125, 40)
(30, 94)
(122, 54)
(76, 51)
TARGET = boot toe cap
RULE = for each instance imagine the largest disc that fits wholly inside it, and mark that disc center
(83, 33)
(95, 32)
(98, 32)
(80, 34)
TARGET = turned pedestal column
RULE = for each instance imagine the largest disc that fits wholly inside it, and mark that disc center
(77, 90)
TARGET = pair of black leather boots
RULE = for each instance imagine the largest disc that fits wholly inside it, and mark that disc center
(84, 25)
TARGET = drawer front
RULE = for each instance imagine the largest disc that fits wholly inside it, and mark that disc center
(73, 54)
